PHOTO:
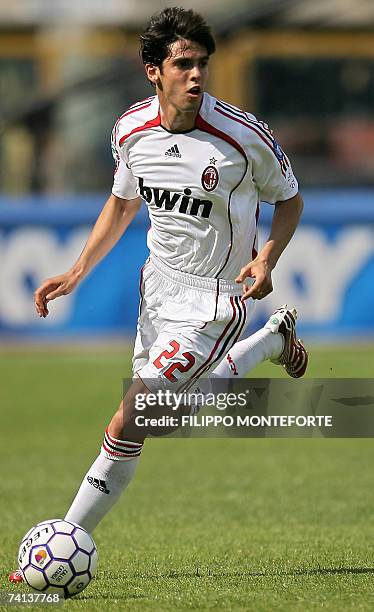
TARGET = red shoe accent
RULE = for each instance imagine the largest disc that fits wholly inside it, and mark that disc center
(16, 577)
(294, 358)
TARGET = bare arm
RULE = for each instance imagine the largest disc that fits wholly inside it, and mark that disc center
(112, 222)
(285, 220)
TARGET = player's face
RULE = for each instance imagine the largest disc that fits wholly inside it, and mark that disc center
(183, 75)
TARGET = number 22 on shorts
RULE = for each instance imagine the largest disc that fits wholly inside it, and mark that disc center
(178, 365)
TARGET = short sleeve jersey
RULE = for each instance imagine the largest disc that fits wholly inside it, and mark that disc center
(202, 187)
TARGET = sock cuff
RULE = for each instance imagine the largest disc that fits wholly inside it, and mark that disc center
(120, 450)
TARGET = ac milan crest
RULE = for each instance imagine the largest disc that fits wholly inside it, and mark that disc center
(210, 178)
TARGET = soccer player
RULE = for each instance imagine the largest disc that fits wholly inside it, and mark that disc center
(202, 166)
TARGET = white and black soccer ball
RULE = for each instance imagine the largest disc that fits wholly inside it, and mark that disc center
(58, 556)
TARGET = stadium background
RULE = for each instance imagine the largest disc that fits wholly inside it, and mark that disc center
(67, 71)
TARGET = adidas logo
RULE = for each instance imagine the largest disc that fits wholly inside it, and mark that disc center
(98, 484)
(173, 151)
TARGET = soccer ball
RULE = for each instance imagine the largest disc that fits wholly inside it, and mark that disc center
(57, 556)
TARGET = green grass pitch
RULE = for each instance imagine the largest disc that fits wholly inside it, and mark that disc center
(212, 524)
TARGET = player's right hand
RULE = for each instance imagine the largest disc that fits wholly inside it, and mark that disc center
(261, 272)
(51, 289)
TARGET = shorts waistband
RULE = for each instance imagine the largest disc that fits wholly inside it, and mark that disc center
(203, 283)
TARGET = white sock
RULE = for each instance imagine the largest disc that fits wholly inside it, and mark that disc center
(104, 482)
(248, 353)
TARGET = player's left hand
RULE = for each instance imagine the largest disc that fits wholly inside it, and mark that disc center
(261, 272)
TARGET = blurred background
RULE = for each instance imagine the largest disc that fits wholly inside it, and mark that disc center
(270, 524)
(68, 69)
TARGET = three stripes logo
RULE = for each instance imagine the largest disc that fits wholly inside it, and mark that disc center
(173, 152)
(98, 484)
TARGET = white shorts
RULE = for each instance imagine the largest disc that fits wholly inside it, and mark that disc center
(186, 325)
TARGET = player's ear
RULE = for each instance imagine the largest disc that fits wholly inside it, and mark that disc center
(153, 73)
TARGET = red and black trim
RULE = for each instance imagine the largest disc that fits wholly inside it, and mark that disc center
(120, 450)
(155, 122)
(260, 128)
(217, 296)
(227, 339)
(241, 327)
(236, 331)
(133, 109)
(261, 125)
(254, 250)
(141, 296)
(204, 126)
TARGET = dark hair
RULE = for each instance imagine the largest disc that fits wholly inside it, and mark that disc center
(170, 25)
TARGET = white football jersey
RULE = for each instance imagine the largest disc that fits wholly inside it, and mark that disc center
(202, 187)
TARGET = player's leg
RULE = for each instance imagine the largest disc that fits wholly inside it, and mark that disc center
(178, 355)
(111, 472)
(181, 353)
(275, 341)
(114, 468)
(119, 455)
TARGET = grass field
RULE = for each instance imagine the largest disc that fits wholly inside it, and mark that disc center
(213, 524)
